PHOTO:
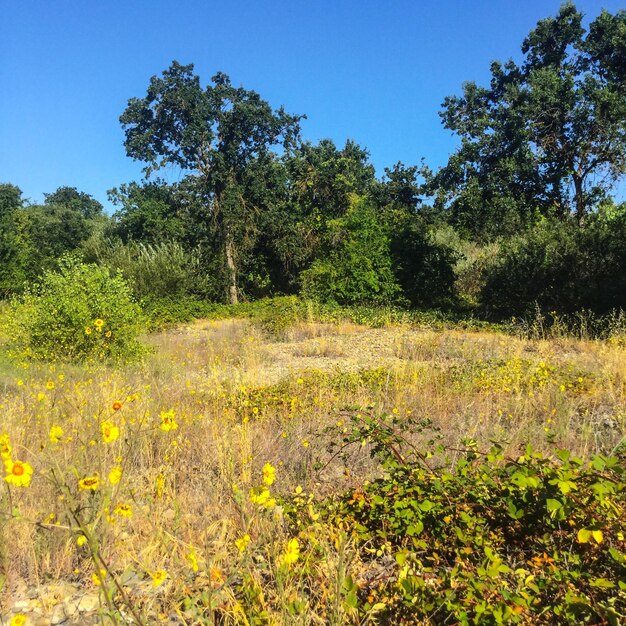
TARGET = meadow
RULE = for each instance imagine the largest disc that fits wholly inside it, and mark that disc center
(317, 473)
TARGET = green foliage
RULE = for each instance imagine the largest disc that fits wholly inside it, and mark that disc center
(10, 198)
(154, 272)
(357, 267)
(78, 313)
(33, 237)
(77, 201)
(484, 539)
(561, 267)
(546, 137)
(423, 267)
(150, 213)
(216, 133)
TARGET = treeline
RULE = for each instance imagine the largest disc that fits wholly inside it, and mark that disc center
(521, 215)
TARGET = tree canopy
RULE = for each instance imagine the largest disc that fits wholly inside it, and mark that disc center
(547, 136)
(214, 134)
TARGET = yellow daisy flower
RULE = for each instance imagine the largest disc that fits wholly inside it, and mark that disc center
(292, 552)
(17, 473)
(123, 510)
(167, 421)
(56, 432)
(89, 483)
(269, 474)
(110, 432)
(158, 577)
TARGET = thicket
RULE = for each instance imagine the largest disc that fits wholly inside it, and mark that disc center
(511, 225)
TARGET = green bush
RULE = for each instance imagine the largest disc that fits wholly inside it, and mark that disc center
(154, 271)
(80, 312)
(357, 265)
(460, 536)
(560, 266)
(423, 266)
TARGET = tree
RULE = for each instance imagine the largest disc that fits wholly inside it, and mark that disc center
(356, 267)
(10, 198)
(213, 134)
(79, 201)
(547, 136)
(150, 213)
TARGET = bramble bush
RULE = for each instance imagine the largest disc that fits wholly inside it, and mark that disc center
(482, 540)
(78, 313)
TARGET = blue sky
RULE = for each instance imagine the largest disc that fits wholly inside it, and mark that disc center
(372, 71)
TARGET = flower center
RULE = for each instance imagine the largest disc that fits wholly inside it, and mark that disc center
(18, 469)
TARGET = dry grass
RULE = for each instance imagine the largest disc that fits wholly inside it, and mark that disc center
(240, 402)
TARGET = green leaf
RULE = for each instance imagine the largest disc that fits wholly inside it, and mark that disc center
(553, 505)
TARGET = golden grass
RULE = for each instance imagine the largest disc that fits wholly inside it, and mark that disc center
(239, 402)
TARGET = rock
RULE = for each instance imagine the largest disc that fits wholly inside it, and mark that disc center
(58, 615)
(88, 603)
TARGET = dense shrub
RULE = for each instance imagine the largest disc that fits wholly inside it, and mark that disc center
(483, 539)
(560, 266)
(153, 271)
(357, 266)
(423, 267)
(80, 312)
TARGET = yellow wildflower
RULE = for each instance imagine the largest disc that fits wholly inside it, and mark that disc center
(56, 432)
(110, 432)
(292, 552)
(81, 540)
(18, 473)
(123, 510)
(115, 475)
(167, 421)
(88, 330)
(262, 497)
(19, 619)
(269, 474)
(193, 560)
(5, 446)
(158, 577)
(98, 324)
(89, 483)
(50, 384)
(242, 543)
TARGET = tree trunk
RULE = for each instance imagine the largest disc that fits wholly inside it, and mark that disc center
(231, 266)
(579, 197)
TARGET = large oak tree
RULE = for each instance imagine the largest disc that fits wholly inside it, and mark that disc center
(547, 136)
(214, 134)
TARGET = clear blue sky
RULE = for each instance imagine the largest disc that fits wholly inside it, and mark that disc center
(375, 71)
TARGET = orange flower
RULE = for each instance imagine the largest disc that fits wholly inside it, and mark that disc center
(117, 405)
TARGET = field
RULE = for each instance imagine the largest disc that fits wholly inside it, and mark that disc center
(241, 477)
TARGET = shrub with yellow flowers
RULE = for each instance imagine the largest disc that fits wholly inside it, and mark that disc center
(79, 312)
